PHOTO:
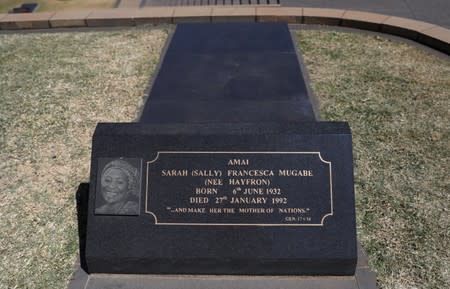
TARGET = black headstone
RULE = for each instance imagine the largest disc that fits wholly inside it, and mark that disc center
(255, 199)
(227, 172)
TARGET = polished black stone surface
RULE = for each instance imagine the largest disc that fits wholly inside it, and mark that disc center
(178, 243)
(205, 171)
(222, 72)
(234, 76)
(216, 38)
(363, 279)
(238, 111)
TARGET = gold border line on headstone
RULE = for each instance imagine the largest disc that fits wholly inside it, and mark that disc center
(238, 224)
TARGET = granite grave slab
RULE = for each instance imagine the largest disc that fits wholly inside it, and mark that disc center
(219, 72)
(363, 279)
(272, 199)
(226, 174)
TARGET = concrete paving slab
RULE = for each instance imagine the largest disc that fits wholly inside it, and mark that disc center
(154, 15)
(79, 278)
(404, 27)
(279, 14)
(366, 279)
(393, 8)
(26, 20)
(363, 279)
(363, 20)
(322, 16)
(129, 4)
(408, 23)
(438, 33)
(433, 11)
(192, 14)
(145, 3)
(220, 282)
(111, 17)
(436, 37)
(233, 14)
(69, 18)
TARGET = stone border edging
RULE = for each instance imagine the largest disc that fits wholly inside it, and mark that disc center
(428, 34)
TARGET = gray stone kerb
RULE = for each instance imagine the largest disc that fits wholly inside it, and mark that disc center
(431, 35)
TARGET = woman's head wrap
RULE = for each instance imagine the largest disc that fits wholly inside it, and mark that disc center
(130, 171)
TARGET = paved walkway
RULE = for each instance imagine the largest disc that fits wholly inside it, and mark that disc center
(207, 2)
(432, 11)
(430, 28)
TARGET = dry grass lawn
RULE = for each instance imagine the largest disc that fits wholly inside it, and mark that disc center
(54, 88)
(396, 99)
(55, 5)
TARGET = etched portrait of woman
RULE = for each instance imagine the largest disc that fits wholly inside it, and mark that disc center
(119, 189)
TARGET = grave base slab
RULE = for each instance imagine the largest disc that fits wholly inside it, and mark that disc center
(364, 278)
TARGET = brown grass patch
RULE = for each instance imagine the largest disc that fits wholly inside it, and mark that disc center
(53, 90)
(396, 98)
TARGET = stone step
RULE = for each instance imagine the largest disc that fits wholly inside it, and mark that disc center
(208, 2)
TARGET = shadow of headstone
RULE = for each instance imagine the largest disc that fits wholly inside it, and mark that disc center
(82, 197)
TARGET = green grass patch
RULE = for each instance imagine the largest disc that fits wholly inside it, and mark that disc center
(54, 88)
(396, 98)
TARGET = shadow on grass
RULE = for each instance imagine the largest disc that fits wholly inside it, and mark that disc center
(82, 197)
